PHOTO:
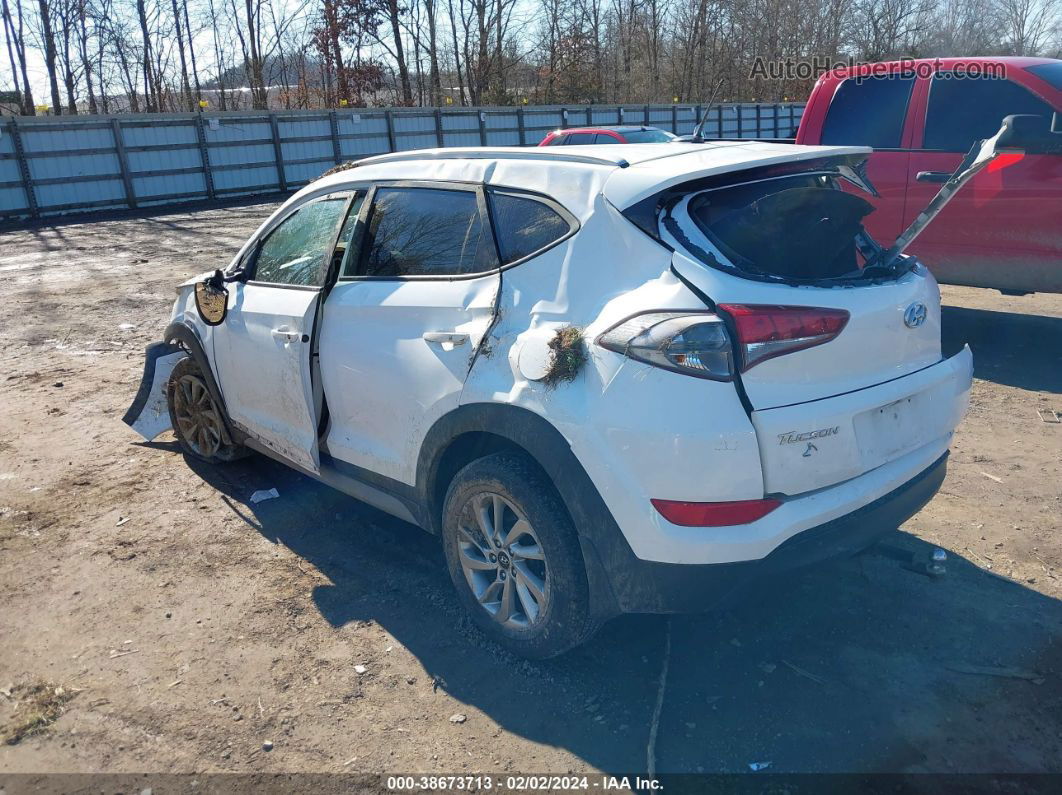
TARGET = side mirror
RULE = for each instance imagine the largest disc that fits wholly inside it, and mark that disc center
(212, 299)
(1031, 134)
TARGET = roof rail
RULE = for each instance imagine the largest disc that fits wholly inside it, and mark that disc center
(485, 153)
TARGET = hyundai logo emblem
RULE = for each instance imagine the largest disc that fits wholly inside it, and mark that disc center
(915, 315)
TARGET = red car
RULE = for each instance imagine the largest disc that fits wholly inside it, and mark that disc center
(632, 134)
(1004, 230)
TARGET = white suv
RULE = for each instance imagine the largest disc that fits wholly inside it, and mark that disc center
(612, 379)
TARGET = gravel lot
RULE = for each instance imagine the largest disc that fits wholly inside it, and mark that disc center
(188, 627)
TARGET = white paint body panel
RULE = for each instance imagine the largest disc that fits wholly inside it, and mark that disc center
(154, 418)
(385, 383)
(265, 379)
(874, 426)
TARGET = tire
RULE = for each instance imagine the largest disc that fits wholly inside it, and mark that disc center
(497, 582)
(198, 421)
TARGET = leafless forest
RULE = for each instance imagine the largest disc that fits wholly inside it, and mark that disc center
(108, 56)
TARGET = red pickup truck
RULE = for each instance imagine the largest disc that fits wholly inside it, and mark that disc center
(1004, 229)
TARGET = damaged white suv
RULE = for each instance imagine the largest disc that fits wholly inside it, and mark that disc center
(612, 379)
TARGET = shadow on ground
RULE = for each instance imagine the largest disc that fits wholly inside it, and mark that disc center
(1009, 348)
(853, 667)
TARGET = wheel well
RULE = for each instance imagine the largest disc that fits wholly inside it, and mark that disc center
(461, 451)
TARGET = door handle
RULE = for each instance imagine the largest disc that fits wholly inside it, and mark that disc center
(453, 337)
(933, 176)
(286, 334)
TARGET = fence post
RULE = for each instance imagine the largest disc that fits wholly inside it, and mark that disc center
(123, 163)
(719, 120)
(696, 118)
(589, 116)
(278, 153)
(23, 170)
(759, 124)
(564, 118)
(333, 122)
(389, 118)
(674, 119)
(646, 122)
(204, 155)
(739, 115)
(619, 114)
(439, 139)
(482, 116)
(520, 125)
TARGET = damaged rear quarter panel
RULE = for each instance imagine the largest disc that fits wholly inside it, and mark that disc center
(639, 431)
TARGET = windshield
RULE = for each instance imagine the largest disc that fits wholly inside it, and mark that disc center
(652, 136)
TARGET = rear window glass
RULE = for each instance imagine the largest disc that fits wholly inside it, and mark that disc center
(868, 111)
(524, 225)
(427, 232)
(967, 110)
(1049, 72)
(799, 227)
(647, 137)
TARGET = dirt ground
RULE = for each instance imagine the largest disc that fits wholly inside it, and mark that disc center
(187, 627)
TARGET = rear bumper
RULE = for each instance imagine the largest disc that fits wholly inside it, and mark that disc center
(642, 586)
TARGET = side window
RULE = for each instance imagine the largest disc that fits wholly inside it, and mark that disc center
(576, 139)
(558, 140)
(868, 111)
(294, 252)
(427, 232)
(601, 138)
(964, 110)
(524, 225)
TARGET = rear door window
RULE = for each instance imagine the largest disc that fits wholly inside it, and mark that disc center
(558, 140)
(524, 225)
(868, 111)
(967, 109)
(580, 138)
(427, 232)
(604, 138)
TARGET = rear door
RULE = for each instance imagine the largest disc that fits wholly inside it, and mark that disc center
(262, 350)
(870, 110)
(1002, 230)
(401, 325)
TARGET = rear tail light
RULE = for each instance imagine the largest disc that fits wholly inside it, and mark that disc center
(766, 331)
(694, 343)
(714, 514)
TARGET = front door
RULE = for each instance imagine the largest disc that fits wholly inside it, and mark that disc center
(263, 350)
(404, 320)
(1002, 229)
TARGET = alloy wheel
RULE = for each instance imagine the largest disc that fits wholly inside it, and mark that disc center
(197, 416)
(502, 560)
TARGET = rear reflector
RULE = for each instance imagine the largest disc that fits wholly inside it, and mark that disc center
(714, 514)
(766, 331)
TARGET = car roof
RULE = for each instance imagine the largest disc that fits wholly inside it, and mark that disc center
(618, 128)
(623, 173)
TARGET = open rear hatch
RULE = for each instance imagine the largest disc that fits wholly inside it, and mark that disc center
(836, 338)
